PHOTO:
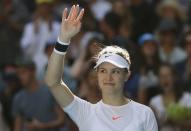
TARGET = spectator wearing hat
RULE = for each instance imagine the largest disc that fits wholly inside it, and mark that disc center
(172, 10)
(149, 64)
(37, 32)
(34, 108)
(168, 50)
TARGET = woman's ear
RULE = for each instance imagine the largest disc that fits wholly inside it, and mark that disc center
(128, 74)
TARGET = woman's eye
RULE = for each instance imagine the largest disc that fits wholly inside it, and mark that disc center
(116, 71)
(102, 71)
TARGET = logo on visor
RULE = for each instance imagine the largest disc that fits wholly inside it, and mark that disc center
(107, 56)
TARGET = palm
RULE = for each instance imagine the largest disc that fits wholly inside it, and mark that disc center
(70, 24)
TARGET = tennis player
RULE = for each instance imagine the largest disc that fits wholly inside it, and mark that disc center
(114, 112)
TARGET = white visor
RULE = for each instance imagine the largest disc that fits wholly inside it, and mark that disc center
(114, 59)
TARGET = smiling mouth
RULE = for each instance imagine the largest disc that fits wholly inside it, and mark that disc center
(109, 84)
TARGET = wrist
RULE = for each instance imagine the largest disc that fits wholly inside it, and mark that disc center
(61, 47)
(64, 40)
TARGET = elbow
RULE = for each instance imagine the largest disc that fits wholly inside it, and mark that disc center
(50, 82)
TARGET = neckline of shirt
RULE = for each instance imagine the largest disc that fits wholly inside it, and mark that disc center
(111, 106)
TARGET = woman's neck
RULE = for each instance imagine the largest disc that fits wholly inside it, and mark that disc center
(114, 100)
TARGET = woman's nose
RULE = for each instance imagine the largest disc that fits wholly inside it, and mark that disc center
(109, 77)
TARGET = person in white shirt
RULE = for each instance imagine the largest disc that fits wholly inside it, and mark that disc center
(114, 112)
(37, 33)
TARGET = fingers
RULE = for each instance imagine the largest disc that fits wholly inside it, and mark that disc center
(80, 15)
(74, 13)
(64, 14)
(71, 12)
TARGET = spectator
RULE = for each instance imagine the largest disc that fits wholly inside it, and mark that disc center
(171, 93)
(34, 108)
(120, 8)
(144, 18)
(110, 26)
(11, 87)
(12, 19)
(168, 50)
(172, 10)
(149, 64)
(37, 33)
(99, 8)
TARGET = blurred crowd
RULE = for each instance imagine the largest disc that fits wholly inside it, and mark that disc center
(157, 34)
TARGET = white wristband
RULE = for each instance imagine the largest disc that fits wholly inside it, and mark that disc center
(62, 43)
(58, 52)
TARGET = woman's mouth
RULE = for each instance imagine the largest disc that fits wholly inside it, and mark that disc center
(109, 84)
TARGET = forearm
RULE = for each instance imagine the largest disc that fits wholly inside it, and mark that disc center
(69, 27)
(54, 69)
(53, 79)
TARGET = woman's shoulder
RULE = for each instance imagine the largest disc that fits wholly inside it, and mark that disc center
(138, 107)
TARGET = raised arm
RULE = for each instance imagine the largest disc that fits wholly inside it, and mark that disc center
(70, 26)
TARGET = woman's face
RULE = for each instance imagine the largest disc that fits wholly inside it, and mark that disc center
(111, 78)
(166, 77)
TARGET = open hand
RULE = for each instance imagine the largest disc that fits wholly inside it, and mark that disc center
(71, 24)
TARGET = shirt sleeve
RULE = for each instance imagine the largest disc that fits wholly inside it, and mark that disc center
(79, 110)
(151, 123)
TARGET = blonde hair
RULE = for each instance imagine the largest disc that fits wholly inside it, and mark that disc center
(115, 50)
